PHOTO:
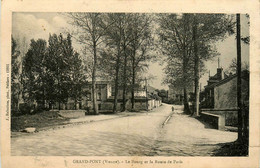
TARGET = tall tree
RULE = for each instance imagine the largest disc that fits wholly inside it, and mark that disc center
(15, 81)
(76, 77)
(114, 36)
(128, 43)
(90, 32)
(33, 71)
(190, 38)
(205, 34)
(140, 48)
(175, 42)
(59, 68)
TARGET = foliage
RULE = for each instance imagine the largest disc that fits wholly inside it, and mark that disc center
(127, 49)
(15, 79)
(90, 30)
(33, 71)
(232, 69)
(51, 74)
(177, 42)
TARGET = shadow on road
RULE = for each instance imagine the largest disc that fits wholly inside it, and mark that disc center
(231, 149)
(206, 125)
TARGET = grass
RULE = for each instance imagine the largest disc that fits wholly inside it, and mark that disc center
(38, 120)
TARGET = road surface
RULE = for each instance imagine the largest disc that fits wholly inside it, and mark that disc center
(140, 135)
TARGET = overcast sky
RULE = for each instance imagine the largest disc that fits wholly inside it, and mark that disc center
(39, 25)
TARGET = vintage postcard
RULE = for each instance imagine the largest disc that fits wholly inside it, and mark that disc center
(130, 84)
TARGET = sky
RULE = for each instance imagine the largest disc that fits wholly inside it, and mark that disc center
(40, 25)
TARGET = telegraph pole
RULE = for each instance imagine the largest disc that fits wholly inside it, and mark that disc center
(239, 100)
(196, 66)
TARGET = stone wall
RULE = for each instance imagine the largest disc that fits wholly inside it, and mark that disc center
(230, 115)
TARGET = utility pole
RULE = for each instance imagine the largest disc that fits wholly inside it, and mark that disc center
(239, 100)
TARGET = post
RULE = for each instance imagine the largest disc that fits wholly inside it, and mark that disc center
(239, 100)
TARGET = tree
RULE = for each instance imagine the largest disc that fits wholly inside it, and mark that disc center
(189, 39)
(140, 47)
(33, 72)
(114, 40)
(58, 67)
(90, 31)
(127, 45)
(15, 81)
(175, 42)
(76, 77)
(232, 69)
(205, 33)
(52, 73)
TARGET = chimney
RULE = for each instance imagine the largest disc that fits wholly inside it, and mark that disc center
(220, 73)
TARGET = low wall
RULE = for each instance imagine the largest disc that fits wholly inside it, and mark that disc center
(230, 115)
(72, 113)
(108, 106)
(216, 121)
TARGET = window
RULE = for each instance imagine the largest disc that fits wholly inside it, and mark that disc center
(99, 95)
(113, 91)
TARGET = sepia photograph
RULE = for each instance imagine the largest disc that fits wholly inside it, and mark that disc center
(129, 84)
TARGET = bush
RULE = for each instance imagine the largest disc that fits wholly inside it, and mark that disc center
(26, 108)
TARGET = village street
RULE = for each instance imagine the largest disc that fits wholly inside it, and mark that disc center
(142, 134)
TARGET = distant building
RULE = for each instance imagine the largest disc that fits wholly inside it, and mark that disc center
(175, 95)
(105, 98)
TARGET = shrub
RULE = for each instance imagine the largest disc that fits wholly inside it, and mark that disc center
(26, 108)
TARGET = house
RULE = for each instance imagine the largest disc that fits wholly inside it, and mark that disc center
(209, 88)
(220, 95)
(105, 98)
(221, 90)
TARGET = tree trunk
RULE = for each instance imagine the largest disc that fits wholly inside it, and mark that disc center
(94, 94)
(116, 88)
(125, 80)
(185, 101)
(185, 96)
(43, 98)
(196, 68)
(239, 102)
(116, 79)
(133, 82)
(75, 104)
(59, 93)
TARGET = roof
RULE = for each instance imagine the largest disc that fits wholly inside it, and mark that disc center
(244, 75)
(151, 89)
